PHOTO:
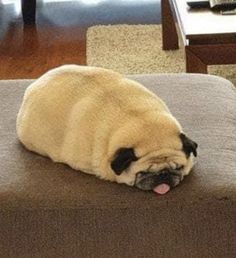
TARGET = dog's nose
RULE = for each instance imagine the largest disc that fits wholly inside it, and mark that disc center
(171, 177)
(164, 177)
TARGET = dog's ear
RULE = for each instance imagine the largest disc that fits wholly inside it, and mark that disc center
(189, 146)
(122, 160)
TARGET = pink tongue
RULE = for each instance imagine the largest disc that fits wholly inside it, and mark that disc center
(162, 189)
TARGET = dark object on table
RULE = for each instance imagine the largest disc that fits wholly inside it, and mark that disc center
(213, 4)
(222, 4)
(198, 3)
(228, 12)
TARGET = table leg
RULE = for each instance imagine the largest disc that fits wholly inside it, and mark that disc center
(169, 33)
(193, 63)
(28, 8)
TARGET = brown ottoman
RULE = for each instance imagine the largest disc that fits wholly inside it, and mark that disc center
(49, 210)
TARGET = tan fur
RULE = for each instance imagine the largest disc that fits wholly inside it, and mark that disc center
(82, 115)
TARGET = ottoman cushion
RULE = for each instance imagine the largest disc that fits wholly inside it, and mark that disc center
(50, 210)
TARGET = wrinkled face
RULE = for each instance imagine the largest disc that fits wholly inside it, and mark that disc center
(157, 168)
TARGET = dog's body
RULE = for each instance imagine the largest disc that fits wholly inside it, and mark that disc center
(99, 122)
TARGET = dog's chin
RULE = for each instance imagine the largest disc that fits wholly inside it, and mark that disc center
(147, 181)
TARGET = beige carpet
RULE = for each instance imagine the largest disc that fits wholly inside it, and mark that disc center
(132, 49)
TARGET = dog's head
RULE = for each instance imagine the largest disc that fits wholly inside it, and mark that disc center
(153, 153)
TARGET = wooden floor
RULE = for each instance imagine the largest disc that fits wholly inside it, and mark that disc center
(59, 36)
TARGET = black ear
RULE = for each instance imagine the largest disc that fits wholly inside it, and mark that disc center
(122, 160)
(188, 145)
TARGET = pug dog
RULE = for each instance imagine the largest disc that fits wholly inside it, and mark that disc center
(99, 122)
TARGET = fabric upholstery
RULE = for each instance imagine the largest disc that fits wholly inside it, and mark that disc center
(49, 210)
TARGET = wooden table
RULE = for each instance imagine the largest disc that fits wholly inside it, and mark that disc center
(209, 38)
